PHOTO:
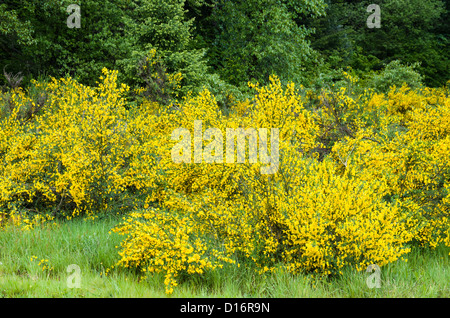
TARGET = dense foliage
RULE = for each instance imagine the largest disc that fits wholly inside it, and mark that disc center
(358, 120)
(361, 176)
(411, 31)
(304, 41)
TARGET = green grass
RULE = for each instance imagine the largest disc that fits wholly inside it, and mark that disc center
(89, 245)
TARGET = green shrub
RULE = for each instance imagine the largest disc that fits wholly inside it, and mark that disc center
(396, 73)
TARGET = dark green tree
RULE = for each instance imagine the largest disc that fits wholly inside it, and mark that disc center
(57, 50)
(253, 39)
(411, 31)
(35, 38)
(163, 25)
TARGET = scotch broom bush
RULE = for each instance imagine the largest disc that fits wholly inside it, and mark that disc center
(361, 176)
(409, 151)
(78, 156)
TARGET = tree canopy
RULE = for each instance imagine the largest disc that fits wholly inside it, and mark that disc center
(238, 41)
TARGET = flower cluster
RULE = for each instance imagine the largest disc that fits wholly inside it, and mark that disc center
(43, 263)
(79, 155)
(361, 176)
(408, 150)
(158, 241)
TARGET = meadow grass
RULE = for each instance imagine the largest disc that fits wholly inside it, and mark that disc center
(88, 244)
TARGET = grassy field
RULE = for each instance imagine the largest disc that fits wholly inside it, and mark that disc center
(34, 264)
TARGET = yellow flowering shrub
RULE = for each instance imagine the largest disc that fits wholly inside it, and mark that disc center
(409, 150)
(310, 215)
(357, 177)
(160, 85)
(158, 241)
(307, 216)
(80, 154)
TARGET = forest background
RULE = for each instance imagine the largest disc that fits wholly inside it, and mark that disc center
(86, 115)
(222, 44)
